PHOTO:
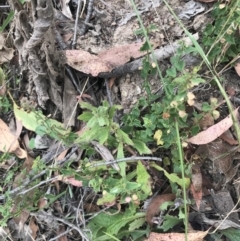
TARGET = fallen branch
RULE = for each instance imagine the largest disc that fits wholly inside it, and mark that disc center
(160, 54)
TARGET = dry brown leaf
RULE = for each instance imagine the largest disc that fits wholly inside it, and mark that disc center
(197, 196)
(105, 61)
(42, 202)
(9, 142)
(214, 131)
(87, 63)
(228, 137)
(197, 236)
(21, 218)
(120, 55)
(91, 208)
(33, 227)
(60, 231)
(6, 54)
(69, 180)
(153, 207)
(206, 121)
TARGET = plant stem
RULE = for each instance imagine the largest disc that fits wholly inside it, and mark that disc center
(180, 152)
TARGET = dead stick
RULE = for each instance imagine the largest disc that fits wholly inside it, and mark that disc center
(160, 54)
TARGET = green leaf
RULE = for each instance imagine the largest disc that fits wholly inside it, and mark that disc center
(102, 121)
(35, 119)
(137, 223)
(85, 116)
(122, 165)
(116, 226)
(144, 178)
(132, 185)
(7, 21)
(86, 105)
(123, 137)
(197, 81)
(180, 80)
(106, 199)
(103, 135)
(93, 122)
(172, 72)
(145, 46)
(165, 205)
(173, 176)
(231, 233)
(141, 147)
(169, 222)
(109, 235)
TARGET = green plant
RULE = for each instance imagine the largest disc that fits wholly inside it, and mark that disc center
(221, 39)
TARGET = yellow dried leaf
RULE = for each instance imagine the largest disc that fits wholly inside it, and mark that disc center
(157, 136)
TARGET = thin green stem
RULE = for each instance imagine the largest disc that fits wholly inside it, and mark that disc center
(180, 152)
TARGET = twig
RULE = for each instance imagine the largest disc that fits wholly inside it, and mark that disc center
(27, 181)
(61, 234)
(87, 19)
(160, 54)
(108, 93)
(127, 159)
(76, 24)
(42, 214)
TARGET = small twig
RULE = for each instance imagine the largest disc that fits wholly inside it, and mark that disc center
(97, 213)
(27, 181)
(61, 234)
(38, 185)
(76, 24)
(108, 93)
(127, 159)
(87, 19)
(62, 221)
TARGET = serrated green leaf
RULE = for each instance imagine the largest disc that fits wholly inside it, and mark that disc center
(143, 178)
(169, 222)
(137, 223)
(116, 226)
(86, 105)
(172, 72)
(102, 121)
(145, 46)
(103, 135)
(141, 147)
(106, 199)
(93, 122)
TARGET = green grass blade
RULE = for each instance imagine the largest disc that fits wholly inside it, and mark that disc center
(7, 21)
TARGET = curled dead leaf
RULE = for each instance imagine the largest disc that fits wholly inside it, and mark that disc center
(214, 131)
(153, 207)
(9, 142)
